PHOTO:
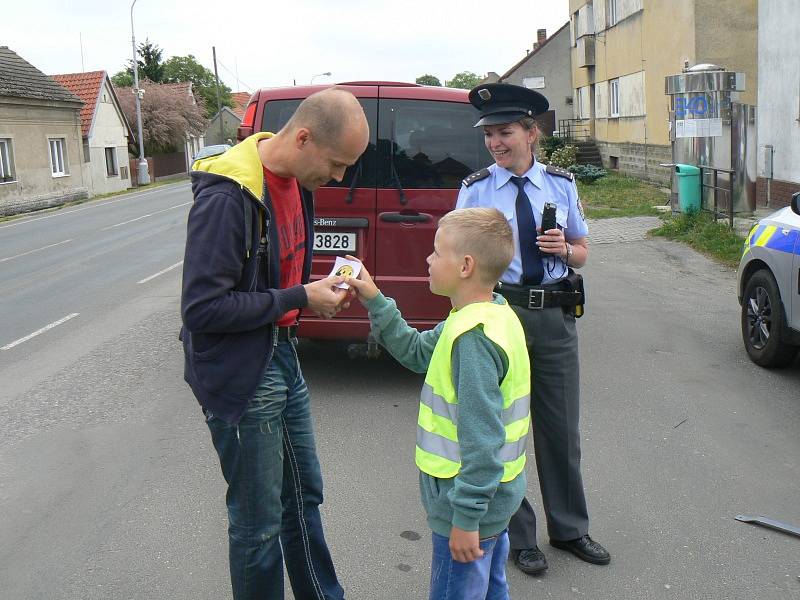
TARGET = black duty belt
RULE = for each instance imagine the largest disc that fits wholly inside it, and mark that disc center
(537, 297)
(285, 334)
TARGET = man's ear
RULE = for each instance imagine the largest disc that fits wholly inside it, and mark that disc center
(301, 137)
(467, 266)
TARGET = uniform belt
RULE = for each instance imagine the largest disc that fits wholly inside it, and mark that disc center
(537, 297)
(285, 334)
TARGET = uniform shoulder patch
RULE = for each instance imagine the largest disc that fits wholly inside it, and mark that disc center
(559, 172)
(476, 176)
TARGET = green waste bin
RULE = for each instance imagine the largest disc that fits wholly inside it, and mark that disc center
(688, 188)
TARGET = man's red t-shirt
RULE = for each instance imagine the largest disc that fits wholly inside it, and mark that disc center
(287, 211)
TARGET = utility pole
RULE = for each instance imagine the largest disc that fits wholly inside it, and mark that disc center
(142, 175)
(219, 103)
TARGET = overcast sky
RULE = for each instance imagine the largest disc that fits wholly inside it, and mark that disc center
(273, 43)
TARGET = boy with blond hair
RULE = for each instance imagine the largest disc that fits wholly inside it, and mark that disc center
(474, 410)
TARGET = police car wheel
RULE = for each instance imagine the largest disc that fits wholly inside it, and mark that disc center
(763, 322)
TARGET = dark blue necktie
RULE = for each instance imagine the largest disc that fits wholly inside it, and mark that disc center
(532, 269)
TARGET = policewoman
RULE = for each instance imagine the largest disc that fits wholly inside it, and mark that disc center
(544, 291)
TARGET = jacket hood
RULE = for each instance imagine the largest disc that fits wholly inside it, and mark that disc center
(240, 164)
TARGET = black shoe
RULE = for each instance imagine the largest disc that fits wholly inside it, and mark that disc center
(584, 548)
(530, 560)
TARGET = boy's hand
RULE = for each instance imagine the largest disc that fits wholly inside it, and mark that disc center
(465, 546)
(364, 286)
(325, 299)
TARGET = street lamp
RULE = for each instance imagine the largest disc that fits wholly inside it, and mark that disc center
(328, 74)
(143, 177)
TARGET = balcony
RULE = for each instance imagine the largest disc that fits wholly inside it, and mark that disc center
(585, 51)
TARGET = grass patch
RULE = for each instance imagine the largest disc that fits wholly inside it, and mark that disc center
(705, 235)
(619, 196)
(149, 186)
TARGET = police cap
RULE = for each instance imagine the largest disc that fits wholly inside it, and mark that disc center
(501, 103)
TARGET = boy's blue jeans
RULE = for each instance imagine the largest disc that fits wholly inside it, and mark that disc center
(274, 490)
(482, 579)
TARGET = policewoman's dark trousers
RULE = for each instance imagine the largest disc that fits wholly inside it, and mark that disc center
(555, 391)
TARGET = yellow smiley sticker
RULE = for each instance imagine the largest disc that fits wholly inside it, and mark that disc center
(345, 271)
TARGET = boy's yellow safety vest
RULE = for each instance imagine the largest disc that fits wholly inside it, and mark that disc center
(437, 451)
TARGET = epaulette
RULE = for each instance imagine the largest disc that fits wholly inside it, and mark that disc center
(476, 176)
(559, 172)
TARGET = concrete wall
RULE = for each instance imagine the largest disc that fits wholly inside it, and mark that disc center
(551, 61)
(727, 35)
(230, 124)
(638, 160)
(29, 124)
(779, 96)
(108, 132)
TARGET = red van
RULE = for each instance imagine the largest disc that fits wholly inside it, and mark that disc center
(385, 210)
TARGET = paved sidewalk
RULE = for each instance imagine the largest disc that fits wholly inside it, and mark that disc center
(620, 229)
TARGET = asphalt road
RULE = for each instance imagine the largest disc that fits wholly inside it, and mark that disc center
(110, 488)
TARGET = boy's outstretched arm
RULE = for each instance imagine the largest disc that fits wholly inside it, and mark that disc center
(411, 348)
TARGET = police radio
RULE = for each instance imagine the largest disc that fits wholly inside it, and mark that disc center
(548, 217)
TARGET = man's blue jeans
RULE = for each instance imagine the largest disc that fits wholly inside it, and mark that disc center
(482, 579)
(269, 461)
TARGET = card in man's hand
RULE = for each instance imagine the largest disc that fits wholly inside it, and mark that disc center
(345, 268)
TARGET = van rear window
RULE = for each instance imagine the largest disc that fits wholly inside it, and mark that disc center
(428, 144)
(278, 112)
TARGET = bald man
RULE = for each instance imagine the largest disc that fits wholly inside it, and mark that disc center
(242, 293)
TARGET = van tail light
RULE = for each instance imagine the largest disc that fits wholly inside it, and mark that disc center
(246, 128)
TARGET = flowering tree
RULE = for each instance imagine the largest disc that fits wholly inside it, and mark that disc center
(169, 115)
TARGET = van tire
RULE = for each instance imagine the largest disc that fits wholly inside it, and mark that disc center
(763, 322)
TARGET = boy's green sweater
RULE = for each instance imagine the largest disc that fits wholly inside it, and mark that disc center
(475, 499)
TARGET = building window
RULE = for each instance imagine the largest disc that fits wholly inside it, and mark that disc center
(613, 97)
(611, 11)
(534, 83)
(111, 162)
(6, 161)
(579, 103)
(58, 152)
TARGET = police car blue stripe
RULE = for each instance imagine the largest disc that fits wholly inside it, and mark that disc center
(783, 242)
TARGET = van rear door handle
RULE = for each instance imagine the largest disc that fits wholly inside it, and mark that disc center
(396, 217)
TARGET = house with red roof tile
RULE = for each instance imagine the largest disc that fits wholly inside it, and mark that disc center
(231, 117)
(41, 157)
(105, 131)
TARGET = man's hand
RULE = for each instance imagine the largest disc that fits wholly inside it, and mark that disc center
(325, 299)
(364, 286)
(552, 242)
(465, 546)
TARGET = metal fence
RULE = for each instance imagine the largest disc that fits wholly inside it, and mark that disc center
(574, 129)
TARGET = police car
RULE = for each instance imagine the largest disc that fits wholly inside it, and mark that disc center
(769, 288)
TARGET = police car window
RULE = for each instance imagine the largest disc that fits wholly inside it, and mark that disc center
(278, 112)
(429, 145)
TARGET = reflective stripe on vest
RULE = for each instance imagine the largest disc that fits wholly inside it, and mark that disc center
(438, 453)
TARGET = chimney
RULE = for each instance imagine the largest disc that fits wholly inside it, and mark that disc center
(541, 35)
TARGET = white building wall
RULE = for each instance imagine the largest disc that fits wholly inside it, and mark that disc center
(779, 86)
(108, 131)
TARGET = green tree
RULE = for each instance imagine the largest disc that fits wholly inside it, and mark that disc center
(465, 80)
(122, 79)
(186, 68)
(151, 67)
(428, 80)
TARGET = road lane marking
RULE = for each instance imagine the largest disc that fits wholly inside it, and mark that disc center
(145, 216)
(32, 251)
(94, 205)
(39, 331)
(167, 270)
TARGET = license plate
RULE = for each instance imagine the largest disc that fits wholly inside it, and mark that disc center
(330, 242)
